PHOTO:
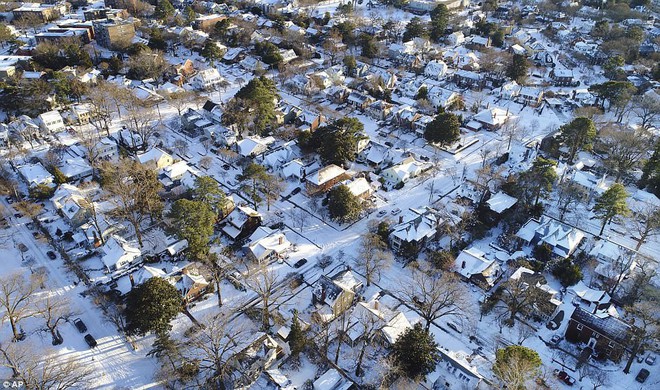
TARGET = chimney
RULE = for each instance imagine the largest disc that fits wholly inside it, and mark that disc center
(281, 240)
(376, 304)
(463, 264)
(130, 277)
(400, 218)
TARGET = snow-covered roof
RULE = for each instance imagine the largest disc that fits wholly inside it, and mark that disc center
(492, 116)
(501, 202)
(472, 261)
(325, 174)
(328, 381)
(416, 225)
(35, 174)
(117, 252)
(154, 155)
(589, 294)
(359, 186)
(264, 241)
(75, 167)
(561, 237)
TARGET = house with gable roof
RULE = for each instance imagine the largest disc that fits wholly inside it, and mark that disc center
(241, 222)
(415, 228)
(266, 244)
(473, 266)
(118, 253)
(325, 178)
(601, 330)
(334, 295)
(563, 239)
(456, 371)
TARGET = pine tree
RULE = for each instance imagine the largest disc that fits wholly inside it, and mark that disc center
(611, 204)
(194, 222)
(415, 28)
(578, 134)
(211, 51)
(164, 10)
(337, 142)
(515, 365)
(151, 306)
(439, 21)
(416, 352)
(443, 129)
(343, 206)
(296, 336)
(518, 68)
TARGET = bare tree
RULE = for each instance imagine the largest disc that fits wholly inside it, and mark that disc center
(299, 217)
(488, 176)
(181, 100)
(45, 370)
(90, 141)
(139, 119)
(54, 309)
(215, 347)
(518, 296)
(436, 297)
(625, 148)
(647, 109)
(512, 131)
(340, 330)
(599, 378)
(272, 187)
(270, 289)
(645, 317)
(373, 257)
(569, 195)
(16, 297)
(524, 332)
(646, 223)
(206, 163)
(370, 325)
(90, 206)
(102, 106)
(619, 269)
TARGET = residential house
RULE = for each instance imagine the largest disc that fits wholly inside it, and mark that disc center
(563, 239)
(324, 178)
(334, 295)
(106, 149)
(207, 80)
(455, 372)
(178, 178)
(253, 146)
(562, 77)
(118, 253)
(359, 100)
(36, 174)
(435, 69)
(500, 202)
(75, 168)
(241, 222)
(379, 110)
(69, 202)
(545, 303)
(492, 119)
(473, 265)
(189, 282)
(155, 158)
(530, 96)
(442, 97)
(602, 331)
(255, 358)
(509, 90)
(404, 171)
(456, 38)
(406, 116)
(130, 140)
(479, 42)
(415, 228)
(360, 188)
(420, 124)
(614, 261)
(389, 324)
(469, 79)
(51, 122)
(266, 244)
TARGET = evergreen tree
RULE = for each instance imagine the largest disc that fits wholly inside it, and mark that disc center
(208, 190)
(259, 96)
(567, 272)
(439, 21)
(415, 28)
(269, 53)
(416, 352)
(211, 52)
(610, 204)
(498, 38)
(337, 142)
(515, 365)
(369, 46)
(296, 336)
(517, 69)
(343, 206)
(194, 222)
(443, 129)
(156, 40)
(151, 306)
(651, 172)
(350, 64)
(538, 180)
(578, 134)
(190, 14)
(164, 10)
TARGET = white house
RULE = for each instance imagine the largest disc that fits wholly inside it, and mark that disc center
(51, 122)
(118, 253)
(473, 265)
(75, 168)
(455, 371)
(415, 227)
(207, 79)
(455, 38)
(563, 239)
(35, 174)
(435, 69)
(266, 244)
(156, 158)
(404, 171)
(107, 149)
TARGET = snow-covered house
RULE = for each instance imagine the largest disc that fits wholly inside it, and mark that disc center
(547, 302)
(614, 261)
(501, 202)
(530, 96)
(75, 168)
(563, 239)
(360, 187)
(253, 146)
(603, 331)
(4, 134)
(207, 80)
(51, 122)
(390, 324)
(241, 222)
(435, 69)
(492, 118)
(293, 169)
(509, 90)
(454, 371)
(334, 295)
(469, 79)
(70, 203)
(404, 171)
(455, 38)
(36, 174)
(266, 244)
(442, 97)
(189, 282)
(156, 158)
(280, 156)
(325, 178)
(106, 149)
(414, 229)
(117, 253)
(178, 177)
(473, 265)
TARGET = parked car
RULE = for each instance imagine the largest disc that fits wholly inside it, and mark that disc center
(555, 339)
(564, 377)
(455, 327)
(381, 213)
(51, 255)
(296, 190)
(642, 375)
(57, 338)
(396, 211)
(82, 328)
(91, 341)
(388, 143)
(300, 263)
(226, 167)
(650, 359)
(22, 247)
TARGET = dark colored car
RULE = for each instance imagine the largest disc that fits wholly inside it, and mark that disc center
(563, 375)
(300, 263)
(296, 190)
(555, 339)
(51, 255)
(91, 341)
(226, 167)
(82, 328)
(642, 375)
(22, 247)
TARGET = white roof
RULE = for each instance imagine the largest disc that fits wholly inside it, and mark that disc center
(561, 237)
(493, 116)
(325, 174)
(475, 262)
(501, 202)
(265, 241)
(116, 250)
(359, 186)
(35, 174)
(154, 155)
(589, 294)
(328, 381)
(73, 167)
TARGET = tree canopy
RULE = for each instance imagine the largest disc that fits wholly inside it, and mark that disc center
(416, 352)
(517, 69)
(337, 142)
(443, 129)
(610, 204)
(578, 134)
(515, 365)
(194, 222)
(151, 306)
(567, 272)
(439, 21)
(343, 206)
(256, 100)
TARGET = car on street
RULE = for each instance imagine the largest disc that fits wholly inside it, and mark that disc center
(381, 213)
(555, 339)
(455, 327)
(82, 328)
(51, 255)
(22, 247)
(388, 143)
(564, 377)
(91, 341)
(396, 211)
(642, 375)
(300, 263)
(226, 167)
(296, 190)
(650, 359)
